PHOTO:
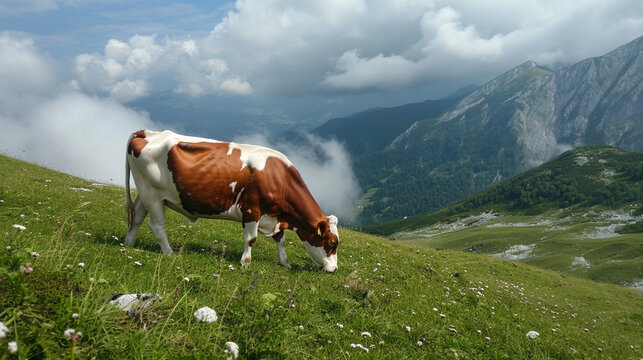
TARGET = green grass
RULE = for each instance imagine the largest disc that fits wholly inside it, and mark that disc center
(558, 239)
(381, 287)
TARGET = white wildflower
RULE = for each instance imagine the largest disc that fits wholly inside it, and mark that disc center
(231, 267)
(205, 314)
(81, 265)
(232, 350)
(375, 270)
(12, 347)
(366, 333)
(137, 263)
(3, 330)
(186, 279)
(72, 335)
(487, 338)
(359, 346)
(435, 309)
(35, 254)
(69, 267)
(20, 227)
(301, 327)
(420, 343)
(442, 316)
(8, 247)
(532, 334)
(408, 328)
(75, 316)
(340, 326)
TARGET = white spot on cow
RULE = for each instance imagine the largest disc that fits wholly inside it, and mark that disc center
(255, 157)
(233, 185)
(268, 225)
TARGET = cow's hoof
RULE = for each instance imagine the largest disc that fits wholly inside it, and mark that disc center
(245, 262)
(286, 265)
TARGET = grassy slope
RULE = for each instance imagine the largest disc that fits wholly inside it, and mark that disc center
(556, 245)
(67, 226)
(563, 234)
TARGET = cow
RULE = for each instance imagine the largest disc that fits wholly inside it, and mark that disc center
(204, 178)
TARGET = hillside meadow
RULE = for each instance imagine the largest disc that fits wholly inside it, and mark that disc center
(387, 300)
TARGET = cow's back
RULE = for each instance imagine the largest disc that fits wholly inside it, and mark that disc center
(196, 176)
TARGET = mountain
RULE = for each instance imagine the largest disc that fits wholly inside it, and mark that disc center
(373, 130)
(517, 121)
(61, 263)
(580, 214)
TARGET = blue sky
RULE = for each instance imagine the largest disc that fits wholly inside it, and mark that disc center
(68, 28)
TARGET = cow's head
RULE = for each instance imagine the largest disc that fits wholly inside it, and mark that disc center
(322, 245)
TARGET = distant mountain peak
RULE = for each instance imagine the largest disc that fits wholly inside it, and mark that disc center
(516, 121)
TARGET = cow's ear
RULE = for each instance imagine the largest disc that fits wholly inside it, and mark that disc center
(322, 227)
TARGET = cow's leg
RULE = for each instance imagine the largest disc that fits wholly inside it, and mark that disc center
(280, 239)
(157, 225)
(249, 238)
(140, 212)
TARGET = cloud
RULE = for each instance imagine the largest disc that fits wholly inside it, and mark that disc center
(25, 73)
(457, 44)
(271, 47)
(44, 122)
(128, 70)
(76, 134)
(325, 167)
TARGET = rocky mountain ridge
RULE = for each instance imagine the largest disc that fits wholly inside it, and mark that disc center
(515, 122)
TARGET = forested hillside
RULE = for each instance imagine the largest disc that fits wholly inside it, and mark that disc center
(586, 176)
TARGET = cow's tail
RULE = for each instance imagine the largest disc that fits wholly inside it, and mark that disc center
(129, 204)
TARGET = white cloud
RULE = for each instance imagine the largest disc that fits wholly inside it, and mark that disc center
(326, 168)
(43, 122)
(25, 73)
(76, 134)
(127, 70)
(271, 47)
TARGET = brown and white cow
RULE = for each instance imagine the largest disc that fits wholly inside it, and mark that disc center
(203, 178)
